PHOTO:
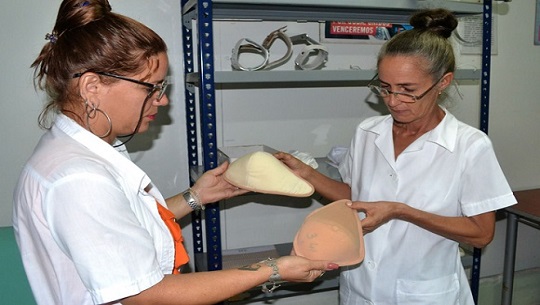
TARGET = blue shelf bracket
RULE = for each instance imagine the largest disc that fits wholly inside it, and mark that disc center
(208, 126)
(191, 122)
(486, 66)
(204, 115)
(484, 121)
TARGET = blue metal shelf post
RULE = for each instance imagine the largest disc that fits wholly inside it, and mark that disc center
(207, 98)
(484, 121)
(207, 121)
(191, 123)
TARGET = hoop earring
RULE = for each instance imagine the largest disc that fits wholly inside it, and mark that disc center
(91, 113)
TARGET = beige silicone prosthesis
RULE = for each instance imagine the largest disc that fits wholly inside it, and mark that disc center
(261, 172)
(333, 233)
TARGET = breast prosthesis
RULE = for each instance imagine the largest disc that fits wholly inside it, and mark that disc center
(261, 172)
(332, 232)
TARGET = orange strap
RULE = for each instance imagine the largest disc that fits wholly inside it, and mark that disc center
(180, 255)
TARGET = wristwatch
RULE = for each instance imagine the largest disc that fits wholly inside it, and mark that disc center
(192, 200)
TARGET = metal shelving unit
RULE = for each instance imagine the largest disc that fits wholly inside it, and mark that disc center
(201, 78)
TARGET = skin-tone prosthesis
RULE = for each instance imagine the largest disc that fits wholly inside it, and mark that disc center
(332, 232)
(261, 172)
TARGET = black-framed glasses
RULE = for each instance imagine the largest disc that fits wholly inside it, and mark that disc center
(161, 87)
(402, 96)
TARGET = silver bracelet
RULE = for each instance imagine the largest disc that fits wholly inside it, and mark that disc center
(193, 200)
(275, 277)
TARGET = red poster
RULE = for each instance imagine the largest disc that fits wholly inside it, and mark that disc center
(376, 32)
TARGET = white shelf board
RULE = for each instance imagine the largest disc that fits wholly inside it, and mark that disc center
(319, 77)
(396, 11)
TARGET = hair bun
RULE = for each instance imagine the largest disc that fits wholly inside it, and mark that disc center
(80, 12)
(439, 21)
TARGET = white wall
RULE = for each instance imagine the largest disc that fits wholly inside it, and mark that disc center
(310, 120)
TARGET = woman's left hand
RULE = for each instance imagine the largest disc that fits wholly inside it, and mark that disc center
(377, 213)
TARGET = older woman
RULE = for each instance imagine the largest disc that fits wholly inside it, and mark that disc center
(424, 181)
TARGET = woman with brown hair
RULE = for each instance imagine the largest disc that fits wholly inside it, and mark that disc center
(91, 226)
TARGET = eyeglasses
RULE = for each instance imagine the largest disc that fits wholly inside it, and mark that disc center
(160, 87)
(402, 96)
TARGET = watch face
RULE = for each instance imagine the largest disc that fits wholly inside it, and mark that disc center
(192, 201)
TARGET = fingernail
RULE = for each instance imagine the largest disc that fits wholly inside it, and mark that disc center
(333, 266)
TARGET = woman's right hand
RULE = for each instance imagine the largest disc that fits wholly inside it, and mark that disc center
(301, 269)
(212, 187)
(296, 165)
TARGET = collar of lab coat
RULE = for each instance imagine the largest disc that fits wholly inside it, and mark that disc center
(444, 134)
(118, 158)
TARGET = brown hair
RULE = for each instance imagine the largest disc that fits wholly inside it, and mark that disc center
(428, 39)
(87, 36)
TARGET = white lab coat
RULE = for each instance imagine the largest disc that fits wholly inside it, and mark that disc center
(86, 221)
(451, 171)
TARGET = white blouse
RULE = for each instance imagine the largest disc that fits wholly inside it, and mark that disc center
(86, 221)
(450, 171)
